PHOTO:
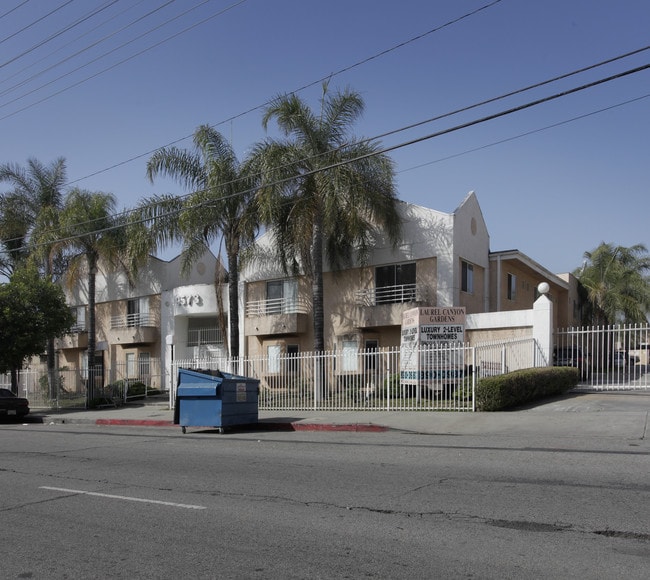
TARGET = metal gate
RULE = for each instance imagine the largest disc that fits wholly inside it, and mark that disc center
(608, 357)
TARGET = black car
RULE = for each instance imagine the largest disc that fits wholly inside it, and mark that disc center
(11, 405)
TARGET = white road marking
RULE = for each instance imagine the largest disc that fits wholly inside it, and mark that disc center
(125, 498)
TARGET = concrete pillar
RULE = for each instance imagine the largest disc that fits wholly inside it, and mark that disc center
(543, 324)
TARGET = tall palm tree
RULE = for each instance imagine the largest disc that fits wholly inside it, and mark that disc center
(90, 234)
(323, 192)
(617, 285)
(217, 209)
(28, 222)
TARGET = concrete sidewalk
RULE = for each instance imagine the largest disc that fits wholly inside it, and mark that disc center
(605, 414)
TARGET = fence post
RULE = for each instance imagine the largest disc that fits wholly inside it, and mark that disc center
(543, 323)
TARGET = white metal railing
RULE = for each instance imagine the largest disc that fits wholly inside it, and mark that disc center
(70, 387)
(609, 357)
(255, 308)
(134, 320)
(202, 336)
(387, 295)
(77, 328)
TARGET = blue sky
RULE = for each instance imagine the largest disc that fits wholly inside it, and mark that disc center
(553, 180)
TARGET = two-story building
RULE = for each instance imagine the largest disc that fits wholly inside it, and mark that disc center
(444, 259)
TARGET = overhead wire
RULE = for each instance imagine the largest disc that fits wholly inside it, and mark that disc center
(299, 89)
(59, 32)
(13, 9)
(92, 61)
(388, 149)
(33, 23)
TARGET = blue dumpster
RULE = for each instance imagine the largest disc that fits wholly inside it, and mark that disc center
(206, 398)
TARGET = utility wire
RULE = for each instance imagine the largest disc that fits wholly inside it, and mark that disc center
(14, 8)
(383, 151)
(36, 21)
(63, 47)
(298, 90)
(59, 32)
(96, 58)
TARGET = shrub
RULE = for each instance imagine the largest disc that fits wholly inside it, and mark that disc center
(519, 387)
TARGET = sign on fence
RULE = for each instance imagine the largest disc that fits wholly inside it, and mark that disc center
(442, 330)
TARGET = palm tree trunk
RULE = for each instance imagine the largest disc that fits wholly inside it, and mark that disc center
(92, 273)
(233, 302)
(317, 284)
(317, 306)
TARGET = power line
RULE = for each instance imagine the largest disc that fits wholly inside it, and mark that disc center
(13, 9)
(383, 151)
(96, 58)
(36, 21)
(59, 33)
(301, 88)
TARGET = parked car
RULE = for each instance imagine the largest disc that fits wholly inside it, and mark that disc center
(572, 356)
(623, 359)
(11, 405)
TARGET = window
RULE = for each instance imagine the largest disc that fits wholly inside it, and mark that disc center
(273, 355)
(137, 311)
(395, 283)
(131, 371)
(349, 361)
(281, 296)
(512, 286)
(79, 315)
(467, 277)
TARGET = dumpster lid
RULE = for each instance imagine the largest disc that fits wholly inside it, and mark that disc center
(197, 390)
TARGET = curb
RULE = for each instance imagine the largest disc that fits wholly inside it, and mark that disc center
(350, 427)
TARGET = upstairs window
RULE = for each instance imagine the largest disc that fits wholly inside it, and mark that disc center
(137, 311)
(281, 296)
(79, 316)
(395, 283)
(512, 287)
(467, 277)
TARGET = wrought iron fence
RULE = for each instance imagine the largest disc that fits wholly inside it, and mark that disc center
(444, 378)
(83, 388)
(608, 357)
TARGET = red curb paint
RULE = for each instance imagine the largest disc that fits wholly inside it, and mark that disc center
(270, 426)
(135, 422)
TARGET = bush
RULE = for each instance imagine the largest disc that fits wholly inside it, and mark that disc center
(519, 387)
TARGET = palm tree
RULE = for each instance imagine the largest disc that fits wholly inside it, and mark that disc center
(323, 192)
(35, 198)
(217, 209)
(90, 233)
(616, 282)
(28, 220)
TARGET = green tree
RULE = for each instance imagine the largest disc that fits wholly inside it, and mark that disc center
(323, 192)
(29, 222)
(29, 209)
(616, 283)
(217, 209)
(32, 311)
(90, 234)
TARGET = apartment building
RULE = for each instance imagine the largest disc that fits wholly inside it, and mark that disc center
(134, 320)
(444, 260)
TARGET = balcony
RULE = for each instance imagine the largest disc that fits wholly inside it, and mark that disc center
(384, 306)
(135, 328)
(277, 316)
(78, 338)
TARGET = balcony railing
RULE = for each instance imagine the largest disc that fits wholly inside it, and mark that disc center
(388, 295)
(276, 306)
(202, 336)
(134, 320)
